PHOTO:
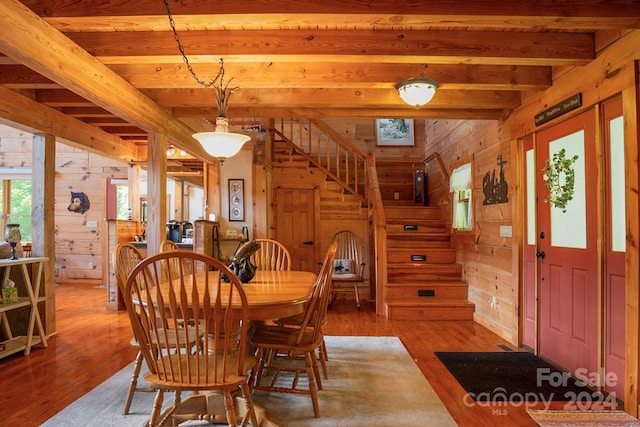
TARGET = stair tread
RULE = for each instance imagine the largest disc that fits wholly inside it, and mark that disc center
(426, 302)
(437, 283)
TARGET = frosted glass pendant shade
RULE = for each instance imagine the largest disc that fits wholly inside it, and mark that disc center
(417, 92)
(221, 143)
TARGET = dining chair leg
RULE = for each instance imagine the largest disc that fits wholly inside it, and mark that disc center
(251, 410)
(311, 375)
(134, 382)
(230, 409)
(355, 288)
(322, 355)
(316, 370)
(154, 421)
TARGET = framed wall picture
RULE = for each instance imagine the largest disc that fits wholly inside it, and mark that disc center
(394, 132)
(236, 200)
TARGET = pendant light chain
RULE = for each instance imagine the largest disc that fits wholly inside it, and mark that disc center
(181, 49)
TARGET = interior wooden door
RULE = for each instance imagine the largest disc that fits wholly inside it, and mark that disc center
(567, 247)
(615, 250)
(295, 225)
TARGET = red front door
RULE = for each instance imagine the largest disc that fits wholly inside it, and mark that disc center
(567, 245)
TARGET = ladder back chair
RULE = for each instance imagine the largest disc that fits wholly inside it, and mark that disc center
(211, 356)
(126, 257)
(348, 265)
(275, 343)
(272, 255)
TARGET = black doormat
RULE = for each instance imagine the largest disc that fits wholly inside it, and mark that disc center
(513, 376)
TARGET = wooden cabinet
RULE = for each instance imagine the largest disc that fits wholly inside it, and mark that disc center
(27, 319)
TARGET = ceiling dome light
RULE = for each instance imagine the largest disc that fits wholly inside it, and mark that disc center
(417, 92)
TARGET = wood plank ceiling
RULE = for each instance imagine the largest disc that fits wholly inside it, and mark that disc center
(104, 74)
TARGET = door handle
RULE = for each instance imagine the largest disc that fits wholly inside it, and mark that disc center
(308, 242)
(540, 254)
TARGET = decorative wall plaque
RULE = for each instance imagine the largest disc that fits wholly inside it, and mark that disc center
(495, 190)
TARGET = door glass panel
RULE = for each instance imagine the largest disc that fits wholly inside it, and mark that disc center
(531, 198)
(569, 225)
(618, 217)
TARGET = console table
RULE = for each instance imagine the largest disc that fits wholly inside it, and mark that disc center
(30, 287)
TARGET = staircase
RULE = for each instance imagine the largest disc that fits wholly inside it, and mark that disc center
(419, 279)
(424, 282)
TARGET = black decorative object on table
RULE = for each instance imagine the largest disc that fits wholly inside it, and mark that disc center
(241, 264)
(12, 236)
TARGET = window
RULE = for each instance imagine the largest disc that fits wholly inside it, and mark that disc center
(15, 200)
(460, 188)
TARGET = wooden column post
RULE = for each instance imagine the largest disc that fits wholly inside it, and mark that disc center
(156, 192)
(43, 219)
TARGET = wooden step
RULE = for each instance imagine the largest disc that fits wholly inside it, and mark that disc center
(421, 255)
(400, 309)
(420, 236)
(435, 241)
(397, 226)
(414, 212)
(428, 291)
(422, 273)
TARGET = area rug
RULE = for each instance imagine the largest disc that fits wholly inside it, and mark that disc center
(510, 375)
(373, 381)
(583, 418)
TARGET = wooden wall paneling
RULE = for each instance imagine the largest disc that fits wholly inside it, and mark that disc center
(42, 225)
(486, 251)
(598, 80)
(212, 203)
(262, 221)
(496, 315)
(396, 176)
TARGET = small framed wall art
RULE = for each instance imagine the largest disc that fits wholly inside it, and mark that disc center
(236, 200)
(394, 132)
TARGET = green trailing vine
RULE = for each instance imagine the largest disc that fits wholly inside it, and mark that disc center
(559, 178)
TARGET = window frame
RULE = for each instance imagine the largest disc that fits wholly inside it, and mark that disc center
(466, 233)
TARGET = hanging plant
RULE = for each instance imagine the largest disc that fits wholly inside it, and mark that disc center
(559, 178)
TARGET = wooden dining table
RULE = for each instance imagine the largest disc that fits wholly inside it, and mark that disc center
(270, 294)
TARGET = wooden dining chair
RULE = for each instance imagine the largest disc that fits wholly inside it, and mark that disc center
(348, 265)
(126, 257)
(217, 362)
(278, 345)
(272, 255)
(168, 245)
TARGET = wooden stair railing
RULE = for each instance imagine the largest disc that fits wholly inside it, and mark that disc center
(378, 222)
(441, 167)
(328, 151)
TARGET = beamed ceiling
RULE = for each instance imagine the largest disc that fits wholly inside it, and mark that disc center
(103, 74)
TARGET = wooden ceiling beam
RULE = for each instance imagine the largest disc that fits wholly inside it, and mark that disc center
(19, 111)
(328, 98)
(307, 74)
(150, 14)
(31, 41)
(196, 114)
(438, 46)
(302, 74)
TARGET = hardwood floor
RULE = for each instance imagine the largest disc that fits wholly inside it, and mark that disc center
(92, 344)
